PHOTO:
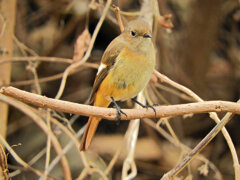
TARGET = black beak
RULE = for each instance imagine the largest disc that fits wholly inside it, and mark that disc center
(147, 35)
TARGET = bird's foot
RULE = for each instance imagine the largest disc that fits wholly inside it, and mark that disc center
(119, 111)
(146, 106)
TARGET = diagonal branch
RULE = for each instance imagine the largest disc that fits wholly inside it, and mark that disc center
(198, 148)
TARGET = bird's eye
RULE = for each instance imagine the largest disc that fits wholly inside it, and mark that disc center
(133, 34)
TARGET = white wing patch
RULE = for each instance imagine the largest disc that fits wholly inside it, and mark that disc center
(101, 67)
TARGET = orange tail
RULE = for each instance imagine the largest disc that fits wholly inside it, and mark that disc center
(92, 124)
(89, 132)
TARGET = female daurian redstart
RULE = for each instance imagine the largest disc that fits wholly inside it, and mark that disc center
(126, 67)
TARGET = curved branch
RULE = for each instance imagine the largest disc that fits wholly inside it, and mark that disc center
(88, 53)
(198, 148)
(213, 116)
(37, 58)
(110, 113)
(53, 77)
(27, 110)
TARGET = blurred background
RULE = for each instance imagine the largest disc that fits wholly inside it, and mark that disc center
(201, 52)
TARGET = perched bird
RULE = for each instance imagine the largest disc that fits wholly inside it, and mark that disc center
(126, 67)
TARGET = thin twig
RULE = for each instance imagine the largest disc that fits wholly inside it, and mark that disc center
(48, 148)
(159, 95)
(114, 159)
(36, 58)
(169, 127)
(31, 162)
(87, 171)
(35, 78)
(87, 55)
(17, 158)
(69, 133)
(129, 170)
(65, 150)
(53, 77)
(119, 19)
(213, 115)
(24, 48)
(42, 152)
(198, 148)
(4, 172)
(38, 120)
(180, 145)
(175, 92)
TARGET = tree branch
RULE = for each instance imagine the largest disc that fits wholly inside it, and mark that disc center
(110, 113)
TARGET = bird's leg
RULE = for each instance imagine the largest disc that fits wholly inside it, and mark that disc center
(119, 111)
(145, 106)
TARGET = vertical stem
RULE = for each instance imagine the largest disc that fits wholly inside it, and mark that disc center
(7, 21)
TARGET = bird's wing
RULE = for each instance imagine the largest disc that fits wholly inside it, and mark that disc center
(107, 62)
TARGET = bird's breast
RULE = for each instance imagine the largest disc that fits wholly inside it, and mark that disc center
(129, 75)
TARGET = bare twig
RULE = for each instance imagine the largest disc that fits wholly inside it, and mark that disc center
(114, 159)
(37, 58)
(198, 148)
(53, 77)
(56, 160)
(32, 67)
(38, 120)
(175, 92)
(72, 137)
(129, 164)
(23, 48)
(17, 158)
(65, 150)
(117, 12)
(4, 172)
(31, 162)
(110, 113)
(213, 115)
(87, 55)
(48, 148)
(180, 145)
(87, 171)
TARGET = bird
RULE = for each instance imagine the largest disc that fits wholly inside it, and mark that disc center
(126, 67)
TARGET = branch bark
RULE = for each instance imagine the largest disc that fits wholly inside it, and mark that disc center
(110, 113)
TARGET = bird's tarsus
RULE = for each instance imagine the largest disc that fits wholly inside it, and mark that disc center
(119, 111)
(146, 106)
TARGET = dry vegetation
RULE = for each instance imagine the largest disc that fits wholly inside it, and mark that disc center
(52, 48)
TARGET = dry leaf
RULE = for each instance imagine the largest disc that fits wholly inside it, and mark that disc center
(165, 21)
(203, 169)
(81, 45)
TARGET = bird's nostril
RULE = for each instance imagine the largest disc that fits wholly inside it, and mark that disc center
(147, 35)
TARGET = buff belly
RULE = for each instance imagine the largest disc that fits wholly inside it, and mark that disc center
(126, 79)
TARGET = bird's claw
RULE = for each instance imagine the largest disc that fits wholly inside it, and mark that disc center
(149, 106)
(146, 106)
(119, 111)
